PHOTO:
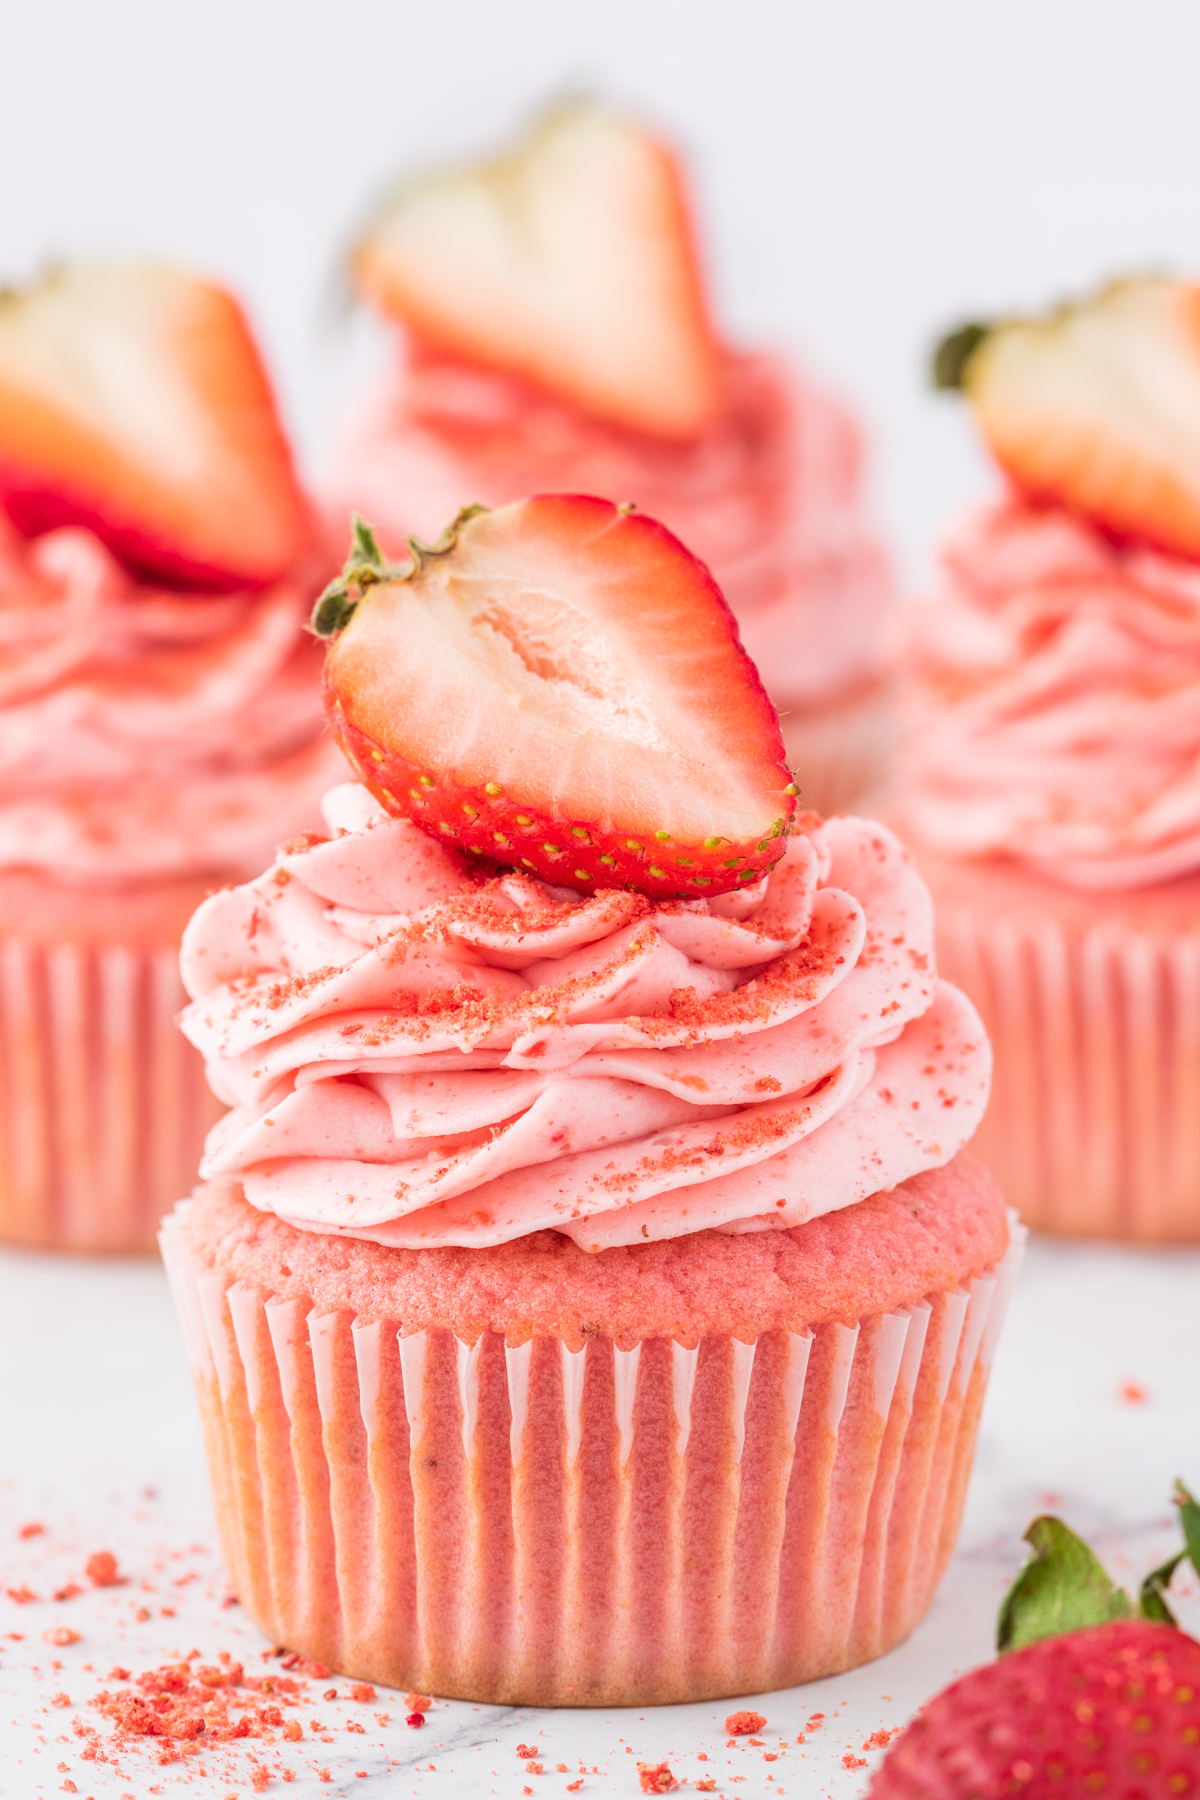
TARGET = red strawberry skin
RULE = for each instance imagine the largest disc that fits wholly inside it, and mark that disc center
(565, 691)
(1112, 1711)
(133, 401)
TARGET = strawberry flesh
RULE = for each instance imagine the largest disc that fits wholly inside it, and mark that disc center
(1097, 408)
(570, 261)
(133, 401)
(1114, 1710)
(560, 687)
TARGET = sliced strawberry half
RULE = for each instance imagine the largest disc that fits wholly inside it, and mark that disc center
(570, 261)
(1096, 407)
(559, 685)
(133, 400)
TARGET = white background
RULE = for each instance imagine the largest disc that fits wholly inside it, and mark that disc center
(867, 171)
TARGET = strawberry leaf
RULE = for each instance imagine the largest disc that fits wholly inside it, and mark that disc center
(1152, 1600)
(1062, 1587)
(952, 355)
(1189, 1519)
(364, 546)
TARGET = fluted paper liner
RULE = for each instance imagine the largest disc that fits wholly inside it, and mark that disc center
(530, 1525)
(103, 1105)
(1094, 1123)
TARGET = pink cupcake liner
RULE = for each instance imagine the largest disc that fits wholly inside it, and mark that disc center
(103, 1105)
(531, 1525)
(1094, 1123)
(841, 754)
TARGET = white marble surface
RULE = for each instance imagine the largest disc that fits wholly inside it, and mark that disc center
(1093, 1411)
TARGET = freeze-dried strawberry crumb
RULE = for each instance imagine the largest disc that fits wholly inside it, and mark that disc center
(61, 1634)
(416, 1720)
(316, 1671)
(879, 1740)
(526, 1750)
(101, 1570)
(573, 1787)
(259, 1780)
(22, 1595)
(362, 1690)
(414, 1702)
(656, 1778)
(743, 1724)
(69, 1592)
(533, 1768)
(850, 1761)
(707, 1786)
(34, 1529)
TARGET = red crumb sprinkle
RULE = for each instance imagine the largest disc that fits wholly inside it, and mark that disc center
(533, 1768)
(656, 1778)
(742, 1724)
(879, 1740)
(414, 1702)
(34, 1529)
(573, 1787)
(850, 1761)
(707, 1786)
(22, 1595)
(415, 1719)
(259, 1780)
(61, 1634)
(526, 1750)
(1132, 1393)
(67, 1593)
(814, 1719)
(60, 1699)
(101, 1570)
(362, 1690)
(561, 1769)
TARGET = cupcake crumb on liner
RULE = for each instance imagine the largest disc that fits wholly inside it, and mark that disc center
(527, 1524)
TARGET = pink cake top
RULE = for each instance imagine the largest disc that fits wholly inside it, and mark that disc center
(421, 1055)
(932, 1233)
(769, 495)
(144, 732)
(1056, 717)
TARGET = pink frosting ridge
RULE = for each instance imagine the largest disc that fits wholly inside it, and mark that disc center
(144, 732)
(418, 1054)
(1056, 712)
(769, 496)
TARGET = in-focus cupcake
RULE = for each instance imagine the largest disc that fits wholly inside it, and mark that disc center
(554, 335)
(1050, 779)
(589, 1299)
(159, 728)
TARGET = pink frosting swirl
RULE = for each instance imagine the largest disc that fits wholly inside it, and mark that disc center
(417, 1055)
(147, 733)
(769, 496)
(1055, 715)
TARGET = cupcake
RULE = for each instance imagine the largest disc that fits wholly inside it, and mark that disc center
(589, 1298)
(1050, 779)
(159, 729)
(536, 354)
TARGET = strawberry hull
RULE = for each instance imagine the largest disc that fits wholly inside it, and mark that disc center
(568, 852)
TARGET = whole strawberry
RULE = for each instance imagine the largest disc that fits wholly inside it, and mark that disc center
(1090, 1699)
(1113, 1711)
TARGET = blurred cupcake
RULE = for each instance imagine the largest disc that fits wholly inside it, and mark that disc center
(554, 335)
(159, 724)
(1050, 779)
(587, 1298)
